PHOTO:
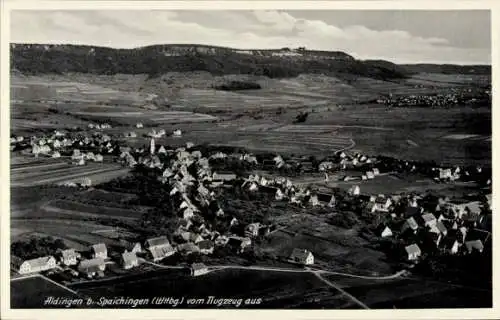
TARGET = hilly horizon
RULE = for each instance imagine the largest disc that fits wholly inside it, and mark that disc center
(156, 60)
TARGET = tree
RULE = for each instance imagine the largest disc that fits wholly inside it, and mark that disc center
(301, 117)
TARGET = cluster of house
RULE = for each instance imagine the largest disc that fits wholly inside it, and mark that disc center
(98, 126)
(284, 190)
(131, 255)
(54, 144)
(449, 99)
(453, 227)
(80, 158)
(245, 157)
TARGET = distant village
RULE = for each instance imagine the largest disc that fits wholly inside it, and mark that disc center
(417, 224)
(454, 98)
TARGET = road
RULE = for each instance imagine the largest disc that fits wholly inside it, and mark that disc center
(316, 272)
(347, 294)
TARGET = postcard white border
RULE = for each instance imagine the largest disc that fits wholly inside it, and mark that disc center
(9, 5)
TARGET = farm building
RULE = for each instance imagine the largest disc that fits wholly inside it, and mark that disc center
(252, 230)
(159, 248)
(191, 237)
(428, 220)
(85, 182)
(206, 247)
(160, 252)
(369, 175)
(459, 208)
(410, 224)
(442, 228)
(413, 252)
(221, 240)
(462, 234)
(449, 245)
(475, 245)
(177, 133)
(131, 134)
(158, 241)
(354, 190)
(37, 265)
(225, 176)
(131, 246)
(445, 174)
(129, 260)
(198, 269)
(239, 243)
(385, 231)
(92, 267)
(302, 256)
(279, 195)
(69, 257)
(188, 248)
(139, 125)
(488, 200)
(99, 251)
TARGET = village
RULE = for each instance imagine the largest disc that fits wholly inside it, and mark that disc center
(416, 225)
(453, 98)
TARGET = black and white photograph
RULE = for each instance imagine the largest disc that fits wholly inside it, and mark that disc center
(254, 159)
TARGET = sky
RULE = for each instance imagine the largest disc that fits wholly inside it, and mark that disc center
(400, 36)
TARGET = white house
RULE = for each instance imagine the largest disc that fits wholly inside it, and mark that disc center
(198, 269)
(413, 251)
(99, 251)
(129, 260)
(69, 257)
(386, 232)
(37, 265)
(302, 256)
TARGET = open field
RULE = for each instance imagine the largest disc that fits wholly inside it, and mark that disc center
(284, 290)
(334, 248)
(411, 293)
(392, 184)
(442, 134)
(76, 208)
(31, 292)
(73, 231)
(57, 171)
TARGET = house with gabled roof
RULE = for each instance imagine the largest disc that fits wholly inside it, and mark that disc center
(37, 265)
(69, 257)
(157, 241)
(99, 251)
(92, 267)
(161, 252)
(239, 243)
(428, 220)
(129, 260)
(302, 256)
(198, 269)
(252, 229)
(384, 231)
(410, 224)
(206, 247)
(413, 252)
(449, 245)
(441, 227)
(474, 246)
(462, 234)
(489, 200)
